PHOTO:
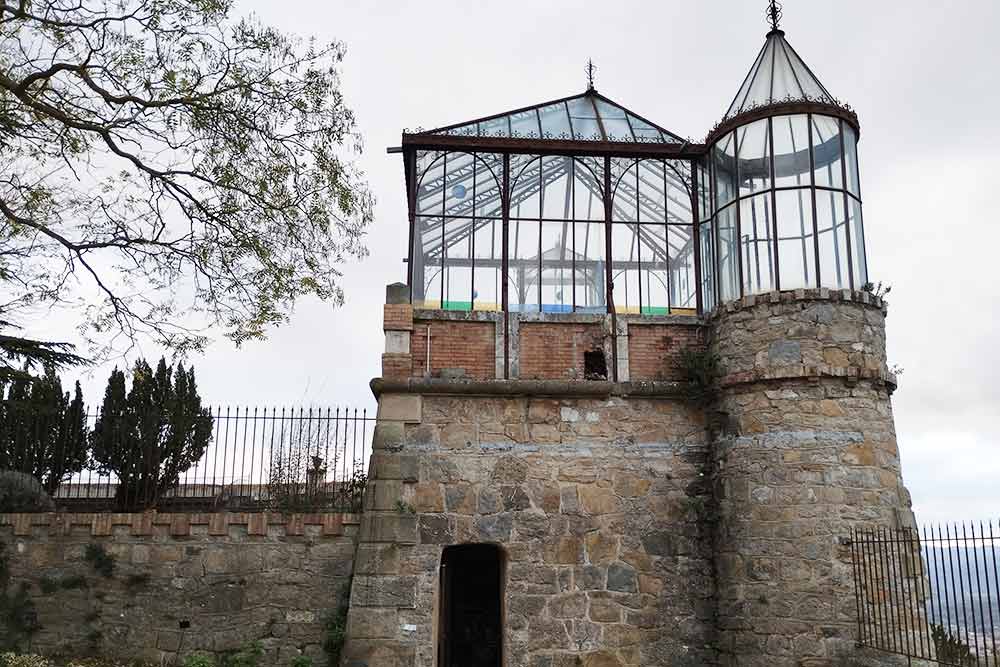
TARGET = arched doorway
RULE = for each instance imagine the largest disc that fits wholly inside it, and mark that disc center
(470, 630)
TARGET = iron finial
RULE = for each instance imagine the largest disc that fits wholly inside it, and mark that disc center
(774, 15)
(591, 68)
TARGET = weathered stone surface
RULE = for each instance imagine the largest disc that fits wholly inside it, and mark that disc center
(229, 589)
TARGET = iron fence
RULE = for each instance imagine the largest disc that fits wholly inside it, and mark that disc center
(930, 595)
(238, 459)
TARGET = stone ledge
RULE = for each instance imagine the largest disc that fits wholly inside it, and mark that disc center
(550, 388)
(141, 523)
(849, 373)
(793, 296)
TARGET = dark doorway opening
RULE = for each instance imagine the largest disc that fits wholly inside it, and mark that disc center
(470, 631)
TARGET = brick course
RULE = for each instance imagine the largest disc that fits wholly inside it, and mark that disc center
(554, 350)
(654, 350)
(467, 345)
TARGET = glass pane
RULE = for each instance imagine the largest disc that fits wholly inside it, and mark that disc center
(851, 149)
(728, 250)
(704, 187)
(858, 244)
(489, 175)
(488, 253)
(724, 163)
(426, 258)
(826, 152)
(555, 122)
(588, 203)
(584, 119)
(707, 266)
(458, 184)
(525, 187)
(832, 228)
(556, 195)
(645, 132)
(652, 197)
(429, 188)
(653, 273)
(791, 150)
(625, 267)
(754, 154)
(615, 124)
(524, 263)
(498, 127)
(589, 290)
(557, 267)
(625, 206)
(457, 265)
(758, 249)
(796, 251)
(682, 276)
(524, 125)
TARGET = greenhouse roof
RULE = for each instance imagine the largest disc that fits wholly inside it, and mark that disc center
(586, 117)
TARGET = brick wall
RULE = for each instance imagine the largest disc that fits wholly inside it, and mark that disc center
(654, 350)
(554, 350)
(467, 345)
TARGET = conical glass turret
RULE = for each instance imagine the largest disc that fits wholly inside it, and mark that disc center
(782, 182)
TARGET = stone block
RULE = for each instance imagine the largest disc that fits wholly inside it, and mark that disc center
(373, 623)
(384, 591)
(396, 527)
(596, 500)
(602, 547)
(622, 578)
(405, 408)
(377, 559)
(397, 293)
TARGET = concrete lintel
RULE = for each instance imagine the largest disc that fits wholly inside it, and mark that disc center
(397, 293)
(561, 388)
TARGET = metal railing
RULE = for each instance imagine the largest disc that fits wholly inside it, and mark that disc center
(238, 459)
(932, 594)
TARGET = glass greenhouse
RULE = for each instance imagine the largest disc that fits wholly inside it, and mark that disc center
(580, 205)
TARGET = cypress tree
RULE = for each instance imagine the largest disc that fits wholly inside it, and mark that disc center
(151, 434)
(43, 432)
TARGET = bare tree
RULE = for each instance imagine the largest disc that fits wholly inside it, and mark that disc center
(170, 168)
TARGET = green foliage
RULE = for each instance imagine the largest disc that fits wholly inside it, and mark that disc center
(21, 492)
(151, 434)
(249, 656)
(302, 661)
(18, 619)
(701, 369)
(879, 290)
(15, 350)
(186, 163)
(199, 660)
(336, 627)
(43, 432)
(949, 648)
(405, 508)
(99, 559)
(15, 660)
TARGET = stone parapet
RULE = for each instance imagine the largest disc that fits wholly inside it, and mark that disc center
(806, 333)
(179, 524)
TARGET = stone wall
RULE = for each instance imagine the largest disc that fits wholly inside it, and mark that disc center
(181, 583)
(598, 503)
(806, 452)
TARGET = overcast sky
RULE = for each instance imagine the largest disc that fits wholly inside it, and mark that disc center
(923, 76)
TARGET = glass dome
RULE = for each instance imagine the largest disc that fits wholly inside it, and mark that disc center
(783, 185)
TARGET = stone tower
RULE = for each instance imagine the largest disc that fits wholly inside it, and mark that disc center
(634, 395)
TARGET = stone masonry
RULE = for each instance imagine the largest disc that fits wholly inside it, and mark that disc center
(638, 527)
(181, 583)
